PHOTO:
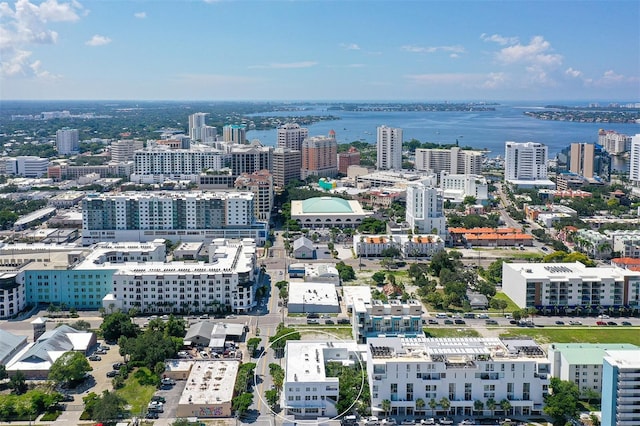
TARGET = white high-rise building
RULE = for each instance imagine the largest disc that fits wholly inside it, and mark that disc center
(389, 148)
(453, 161)
(234, 133)
(124, 150)
(525, 161)
(424, 209)
(198, 129)
(67, 141)
(620, 397)
(291, 135)
(634, 160)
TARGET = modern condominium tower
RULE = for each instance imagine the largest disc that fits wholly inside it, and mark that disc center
(389, 144)
(525, 161)
(291, 136)
(67, 141)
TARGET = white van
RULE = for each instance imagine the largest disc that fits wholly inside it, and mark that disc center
(441, 315)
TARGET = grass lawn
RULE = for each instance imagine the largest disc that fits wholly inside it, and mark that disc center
(343, 332)
(136, 395)
(451, 332)
(578, 335)
(510, 307)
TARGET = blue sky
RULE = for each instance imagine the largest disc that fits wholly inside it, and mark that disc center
(320, 50)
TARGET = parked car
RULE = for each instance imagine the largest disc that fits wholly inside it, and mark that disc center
(460, 321)
(372, 421)
(601, 323)
(491, 322)
(468, 422)
(432, 321)
(448, 321)
(168, 381)
(104, 347)
(445, 421)
(408, 422)
(429, 421)
(204, 316)
(95, 358)
(151, 415)
(313, 321)
(483, 316)
(67, 398)
(627, 323)
(100, 352)
(612, 323)
(329, 321)
(603, 316)
(575, 322)
(469, 316)
(343, 321)
(112, 373)
(514, 322)
(313, 315)
(231, 317)
(559, 322)
(158, 398)
(388, 421)
(117, 365)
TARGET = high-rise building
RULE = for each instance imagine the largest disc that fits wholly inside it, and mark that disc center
(67, 141)
(525, 161)
(424, 211)
(196, 123)
(349, 158)
(124, 150)
(319, 156)
(291, 136)
(234, 133)
(620, 396)
(286, 166)
(634, 160)
(613, 142)
(249, 158)
(260, 184)
(176, 163)
(389, 148)
(455, 161)
(582, 159)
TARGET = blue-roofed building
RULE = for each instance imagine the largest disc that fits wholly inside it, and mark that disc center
(10, 344)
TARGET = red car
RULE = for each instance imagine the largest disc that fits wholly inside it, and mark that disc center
(601, 323)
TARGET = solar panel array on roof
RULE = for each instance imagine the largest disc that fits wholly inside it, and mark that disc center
(381, 351)
(558, 269)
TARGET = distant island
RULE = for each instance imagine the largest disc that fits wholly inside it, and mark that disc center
(389, 107)
(590, 114)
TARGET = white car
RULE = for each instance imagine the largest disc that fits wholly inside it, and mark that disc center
(372, 421)
(429, 421)
(603, 316)
(388, 422)
(445, 421)
(468, 422)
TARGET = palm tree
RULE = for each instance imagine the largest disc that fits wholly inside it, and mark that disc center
(478, 405)
(491, 405)
(445, 404)
(433, 404)
(386, 406)
(420, 405)
(505, 405)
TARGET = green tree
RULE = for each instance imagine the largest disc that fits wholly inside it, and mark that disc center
(104, 408)
(478, 405)
(386, 406)
(420, 404)
(241, 403)
(498, 304)
(69, 367)
(378, 277)
(445, 403)
(271, 395)
(279, 340)
(433, 404)
(252, 344)
(561, 404)
(175, 327)
(346, 272)
(118, 324)
(3, 372)
(18, 383)
(505, 405)
(181, 422)
(491, 405)
(277, 375)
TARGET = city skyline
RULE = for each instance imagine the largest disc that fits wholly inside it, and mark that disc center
(296, 50)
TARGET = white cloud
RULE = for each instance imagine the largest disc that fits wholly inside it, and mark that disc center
(432, 49)
(445, 78)
(611, 79)
(536, 52)
(347, 66)
(27, 24)
(494, 80)
(573, 73)
(349, 46)
(497, 38)
(98, 40)
(304, 64)
(140, 15)
(454, 56)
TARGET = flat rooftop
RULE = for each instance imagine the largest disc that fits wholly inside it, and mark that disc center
(564, 271)
(589, 353)
(624, 359)
(210, 382)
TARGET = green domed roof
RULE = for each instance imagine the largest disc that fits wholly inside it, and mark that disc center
(326, 205)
